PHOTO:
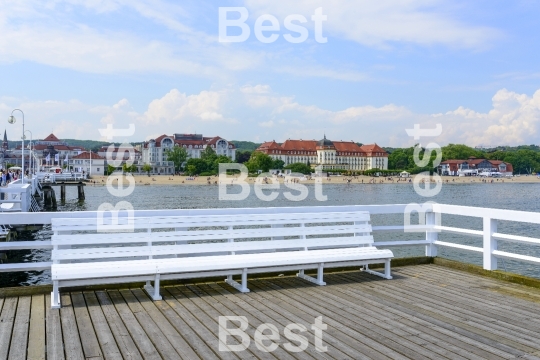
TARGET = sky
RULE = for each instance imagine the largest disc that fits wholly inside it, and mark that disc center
(75, 66)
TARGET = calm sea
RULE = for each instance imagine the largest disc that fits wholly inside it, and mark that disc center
(510, 196)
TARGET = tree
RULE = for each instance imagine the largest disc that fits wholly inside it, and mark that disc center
(208, 154)
(147, 168)
(259, 161)
(178, 155)
(110, 169)
(129, 168)
(243, 156)
(299, 168)
(459, 152)
(191, 170)
(278, 164)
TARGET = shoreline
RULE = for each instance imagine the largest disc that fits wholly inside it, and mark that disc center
(144, 180)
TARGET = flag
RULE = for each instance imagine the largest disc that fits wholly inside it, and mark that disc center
(56, 157)
(48, 158)
(66, 159)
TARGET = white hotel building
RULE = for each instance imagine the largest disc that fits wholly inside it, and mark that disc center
(154, 151)
(330, 155)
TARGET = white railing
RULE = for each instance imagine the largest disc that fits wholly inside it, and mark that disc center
(431, 229)
(53, 177)
(15, 197)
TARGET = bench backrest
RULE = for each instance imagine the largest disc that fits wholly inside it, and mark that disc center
(155, 237)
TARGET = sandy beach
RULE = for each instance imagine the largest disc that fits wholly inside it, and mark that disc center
(145, 180)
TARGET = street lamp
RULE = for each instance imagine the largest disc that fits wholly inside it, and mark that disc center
(31, 154)
(12, 120)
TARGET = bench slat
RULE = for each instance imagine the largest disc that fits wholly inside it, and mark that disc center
(119, 252)
(165, 266)
(217, 234)
(217, 220)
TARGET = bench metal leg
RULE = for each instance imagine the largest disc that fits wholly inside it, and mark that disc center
(153, 291)
(319, 280)
(240, 287)
(387, 274)
(55, 296)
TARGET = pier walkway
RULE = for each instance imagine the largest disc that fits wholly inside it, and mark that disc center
(427, 311)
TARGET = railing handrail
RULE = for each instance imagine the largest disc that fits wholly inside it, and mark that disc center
(489, 233)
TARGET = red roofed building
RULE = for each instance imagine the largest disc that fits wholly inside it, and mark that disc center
(474, 166)
(154, 151)
(89, 162)
(330, 155)
(54, 148)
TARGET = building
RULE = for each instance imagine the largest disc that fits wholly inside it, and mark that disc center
(474, 166)
(134, 157)
(54, 148)
(89, 162)
(330, 155)
(154, 151)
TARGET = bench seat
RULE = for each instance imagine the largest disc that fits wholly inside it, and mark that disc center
(205, 246)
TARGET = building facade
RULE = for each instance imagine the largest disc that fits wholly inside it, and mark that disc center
(88, 162)
(329, 155)
(474, 166)
(154, 151)
(53, 148)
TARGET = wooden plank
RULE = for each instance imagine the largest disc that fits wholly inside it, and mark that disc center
(442, 321)
(19, 336)
(213, 323)
(214, 307)
(55, 347)
(439, 328)
(89, 340)
(70, 332)
(196, 319)
(399, 345)
(123, 339)
(160, 341)
(103, 332)
(137, 333)
(474, 285)
(426, 336)
(256, 318)
(199, 345)
(177, 341)
(458, 305)
(339, 343)
(482, 299)
(7, 319)
(355, 310)
(36, 336)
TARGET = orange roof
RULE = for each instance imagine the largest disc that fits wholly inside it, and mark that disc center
(204, 141)
(347, 146)
(51, 137)
(311, 145)
(86, 155)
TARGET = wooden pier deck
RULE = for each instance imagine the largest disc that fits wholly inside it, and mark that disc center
(426, 312)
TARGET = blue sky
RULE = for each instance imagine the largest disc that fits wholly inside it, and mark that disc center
(74, 66)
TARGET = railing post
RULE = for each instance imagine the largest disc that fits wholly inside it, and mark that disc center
(431, 235)
(490, 244)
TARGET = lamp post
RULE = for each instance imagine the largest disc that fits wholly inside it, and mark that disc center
(12, 120)
(31, 143)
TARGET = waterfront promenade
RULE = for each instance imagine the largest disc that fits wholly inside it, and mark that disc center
(427, 311)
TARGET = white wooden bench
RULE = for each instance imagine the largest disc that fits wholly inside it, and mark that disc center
(181, 247)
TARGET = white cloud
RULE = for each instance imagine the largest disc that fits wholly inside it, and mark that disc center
(178, 107)
(239, 113)
(380, 23)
